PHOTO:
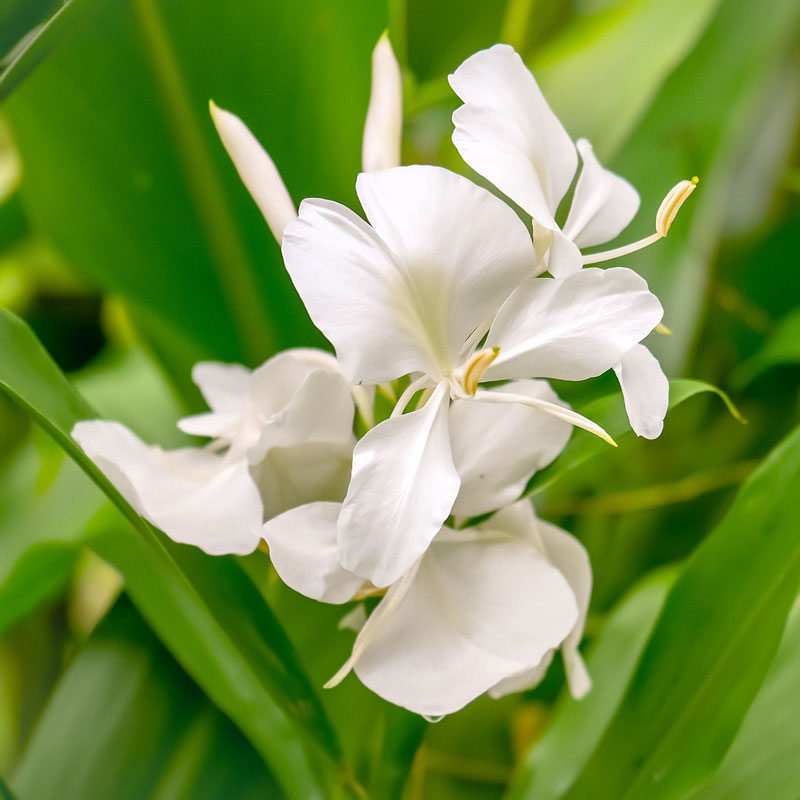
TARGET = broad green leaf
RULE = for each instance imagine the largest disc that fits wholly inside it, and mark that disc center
(712, 645)
(609, 413)
(124, 721)
(782, 347)
(762, 761)
(558, 757)
(703, 122)
(125, 173)
(221, 630)
(604, 71)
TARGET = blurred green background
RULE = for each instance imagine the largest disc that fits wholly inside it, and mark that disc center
(132, 250)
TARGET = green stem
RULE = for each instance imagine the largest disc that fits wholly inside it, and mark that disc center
(515, 23)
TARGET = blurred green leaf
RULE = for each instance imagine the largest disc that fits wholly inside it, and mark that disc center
(782, 347)
(135, 727)
(125, 174)
(762, 761)
(703, 122)
(609, 413)
(603, 72)
(558, 757)
(221, 630)
(712, 645)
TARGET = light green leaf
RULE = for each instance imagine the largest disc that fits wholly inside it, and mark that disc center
(712, 645)
(609, 413)
(125, 174)
(605, 70)
(762, 761)
(782, 347)
(124, 721)
(558, 757)
(210, 616)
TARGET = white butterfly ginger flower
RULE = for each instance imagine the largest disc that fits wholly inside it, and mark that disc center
(415, 291)
(484, 608)
(281, 437)
(507, 132)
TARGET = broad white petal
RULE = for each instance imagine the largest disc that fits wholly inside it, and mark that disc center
(383, 129)
(354, 293)
(461, 251)
(496, 448)
(401, 491)
(479, 608)
(288, 477)
(320, 410)
(194, 496)
(225, 388)
(572, 328)
(563, 258)
(567, 554)
(645, 389)
(256, 169)
(508, 133)
(302, 548)
(603, 204)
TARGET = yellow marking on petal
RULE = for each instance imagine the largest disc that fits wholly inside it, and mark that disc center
(476, 368)
(672, 203)
(663, 329)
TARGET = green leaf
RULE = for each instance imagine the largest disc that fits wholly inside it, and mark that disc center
(762, 761)
(221, 629)
(609, 413)
(124, 721)
(125, 174)
(558, 757)
(782, 347)
(712, 645)
(605, 70)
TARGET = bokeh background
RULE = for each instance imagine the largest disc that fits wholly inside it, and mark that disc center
(129, 245)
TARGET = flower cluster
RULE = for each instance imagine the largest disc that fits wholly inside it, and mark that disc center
(457, 307)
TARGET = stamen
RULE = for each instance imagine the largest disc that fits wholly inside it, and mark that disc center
(566, 414)
(663, 329)
(665, 216)
(476, 368)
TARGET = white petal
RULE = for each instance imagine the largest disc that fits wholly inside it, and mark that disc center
(567, 554)
(461, 251)
(497, 448)
(563, 258)
(477, 610)
(401, 491)
(572, 328)
(194, 496)
(320, 409)
(354, 293)
(508, 133)
(302, 548)
(288, 477)
(603, 204)
(256, 169)
(645, 389)
(383, 129)
(524, 680)
(225, 388)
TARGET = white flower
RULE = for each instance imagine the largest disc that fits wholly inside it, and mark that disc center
(507, 132)
(281, 437)
(482, 610)
(441, 263)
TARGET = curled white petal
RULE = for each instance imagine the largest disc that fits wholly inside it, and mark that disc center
(256, 169)
(645, 390)
(192, 495)
(383, 129)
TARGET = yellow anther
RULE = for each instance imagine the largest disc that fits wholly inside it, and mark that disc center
(476, 368)
(672, 203)
(663, 329)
